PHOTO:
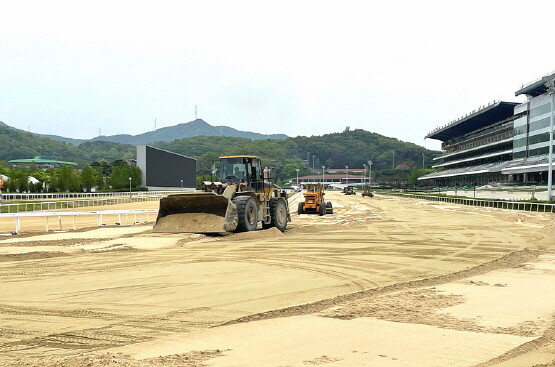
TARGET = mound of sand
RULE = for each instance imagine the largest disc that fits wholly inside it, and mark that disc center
(191, 359)
(256, 235)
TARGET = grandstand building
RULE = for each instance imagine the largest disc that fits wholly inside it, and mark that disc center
(503, 142)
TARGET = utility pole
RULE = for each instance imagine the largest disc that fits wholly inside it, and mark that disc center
(347, 179)
(423, 164)
(323, 174)
(550, 84)
(196, 116)
(154, 124)
(296, 169)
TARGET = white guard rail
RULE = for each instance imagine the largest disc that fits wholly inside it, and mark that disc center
(98, 214)
(72, 204)
(83, 195)
(499, 204)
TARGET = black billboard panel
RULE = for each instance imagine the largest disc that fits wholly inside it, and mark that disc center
(166, 169)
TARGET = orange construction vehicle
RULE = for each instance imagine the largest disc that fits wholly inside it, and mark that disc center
(314, 201)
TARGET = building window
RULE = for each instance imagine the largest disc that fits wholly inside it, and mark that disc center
(538, 151)
(517, 143)
(540, 124)
(540, 110)
(540, 138)
(521, 154)
(520, 130)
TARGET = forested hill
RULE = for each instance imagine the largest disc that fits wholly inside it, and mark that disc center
(349, 148)
(17, 144)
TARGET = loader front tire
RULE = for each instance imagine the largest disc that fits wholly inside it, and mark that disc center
(300, 208)
(278, 211)
(247, 212)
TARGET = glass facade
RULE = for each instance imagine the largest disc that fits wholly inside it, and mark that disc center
(539, 151)
(521, 142)
(521, 154)
(540, 110)
(531, 132)
(540, 124)
(539, 138)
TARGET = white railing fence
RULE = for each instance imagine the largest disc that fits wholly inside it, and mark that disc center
(139, 216)
(120, 198)
(499, 204)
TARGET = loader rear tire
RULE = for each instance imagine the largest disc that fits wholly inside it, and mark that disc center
(247, 212)
(278, 212)
(300, 208)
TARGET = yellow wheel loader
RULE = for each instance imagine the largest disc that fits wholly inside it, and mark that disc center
(242, 196)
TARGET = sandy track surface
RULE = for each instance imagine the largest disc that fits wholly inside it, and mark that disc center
(384, 281)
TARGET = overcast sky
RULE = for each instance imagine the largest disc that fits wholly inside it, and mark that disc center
(398, 68)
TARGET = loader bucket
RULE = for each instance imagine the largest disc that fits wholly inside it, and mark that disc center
(196, 213)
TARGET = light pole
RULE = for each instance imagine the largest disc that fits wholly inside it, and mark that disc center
(1, 187)
(323, 174)
(296, 169)
(423, 164)
(347, 178)
(364, 175)
(308, 159)
(129, 187)
(181, 185)
(550, 84)
(370, 173)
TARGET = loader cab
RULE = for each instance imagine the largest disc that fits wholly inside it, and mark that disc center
(240, 169)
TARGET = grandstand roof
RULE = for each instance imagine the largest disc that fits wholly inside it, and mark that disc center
(537, 87)
(483, 117)
(39, 160)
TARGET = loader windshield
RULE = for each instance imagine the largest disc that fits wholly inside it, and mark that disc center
(232, 169)
(313, 188)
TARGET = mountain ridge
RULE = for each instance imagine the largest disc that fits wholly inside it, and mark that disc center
(189, 129)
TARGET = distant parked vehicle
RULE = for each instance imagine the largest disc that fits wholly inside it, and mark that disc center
(349, 190)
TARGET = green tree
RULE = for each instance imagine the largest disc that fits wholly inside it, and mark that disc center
(89, 178)
(11, 185)
(121, 174)
(290, 170)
